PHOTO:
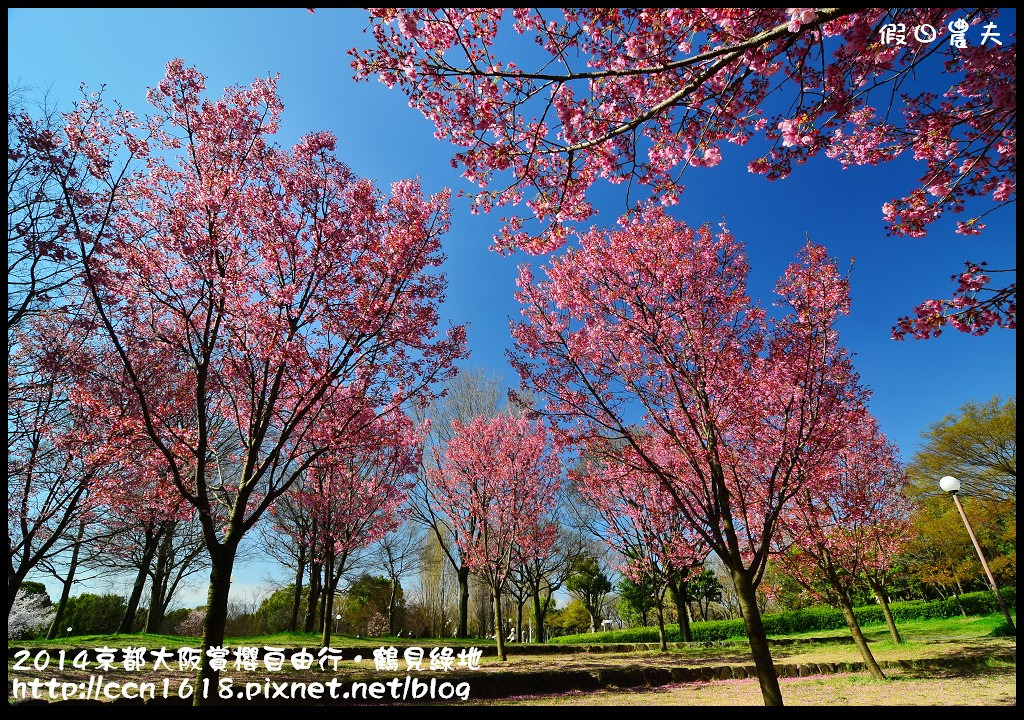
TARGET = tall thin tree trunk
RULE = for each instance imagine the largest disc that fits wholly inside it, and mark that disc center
(152, 542)
(161, 574)
(328, 600)
(325, 587)
(314, 595)
(499, 635)
(956, 593)
(662, 640)
(463, 630)
(679, 594)
(861, 642)
(519, 620)
(391, 606)
(762, 654)
(300, 573)
(538, 617)
(336, 566)
(69, 579)
(222, 562)
(883, 600)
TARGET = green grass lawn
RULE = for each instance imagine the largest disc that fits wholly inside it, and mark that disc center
(877, 634)
(971, 626)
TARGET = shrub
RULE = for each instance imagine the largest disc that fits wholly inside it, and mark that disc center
(92, 614)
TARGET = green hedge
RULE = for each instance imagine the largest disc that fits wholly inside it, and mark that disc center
(809, 620)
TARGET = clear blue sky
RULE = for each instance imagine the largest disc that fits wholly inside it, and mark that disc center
(914, 382)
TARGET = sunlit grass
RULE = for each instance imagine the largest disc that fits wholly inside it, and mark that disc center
(961, 627)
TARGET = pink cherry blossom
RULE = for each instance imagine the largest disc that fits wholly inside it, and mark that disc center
(652, 356)
(607, 97)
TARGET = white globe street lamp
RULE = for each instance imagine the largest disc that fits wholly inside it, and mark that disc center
(951, 485)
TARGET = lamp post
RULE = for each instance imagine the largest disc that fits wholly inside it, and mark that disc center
(951, 485)
(337, 622)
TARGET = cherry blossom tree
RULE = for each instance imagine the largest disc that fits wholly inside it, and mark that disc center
(496, 481)
(837, 531)
(138, 517)
(645, 346)
(641, 522)
(50, 475)
(474, 392)
(638, 96)
(545, 573)
(891, 529)
(353, 496)
(283, 302)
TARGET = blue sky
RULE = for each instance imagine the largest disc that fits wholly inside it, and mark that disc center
(380, 137)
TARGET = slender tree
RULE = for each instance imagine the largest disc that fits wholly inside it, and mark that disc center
(354, 495)
(736, 407)
(838, 528)
(642, 524)
(397, 554)
(495, 482)
(590, 584)
(282, 299)
(547, 572)
(50, 468)
(472, 393)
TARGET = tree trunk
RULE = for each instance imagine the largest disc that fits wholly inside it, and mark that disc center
(762, 655)
(662, 640)
(222, 561)
(519, 620)
(489, 616)
(679, 594)
(322, 612)
(328, 603)
(883, 600)
(463, 631)
(65, 592)
(390, 606)
(297, 600)
(314, 595)
(538, 617)
(499, 634)
(157, 595)
(862, 643)
(152, 542)
(956, 594)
